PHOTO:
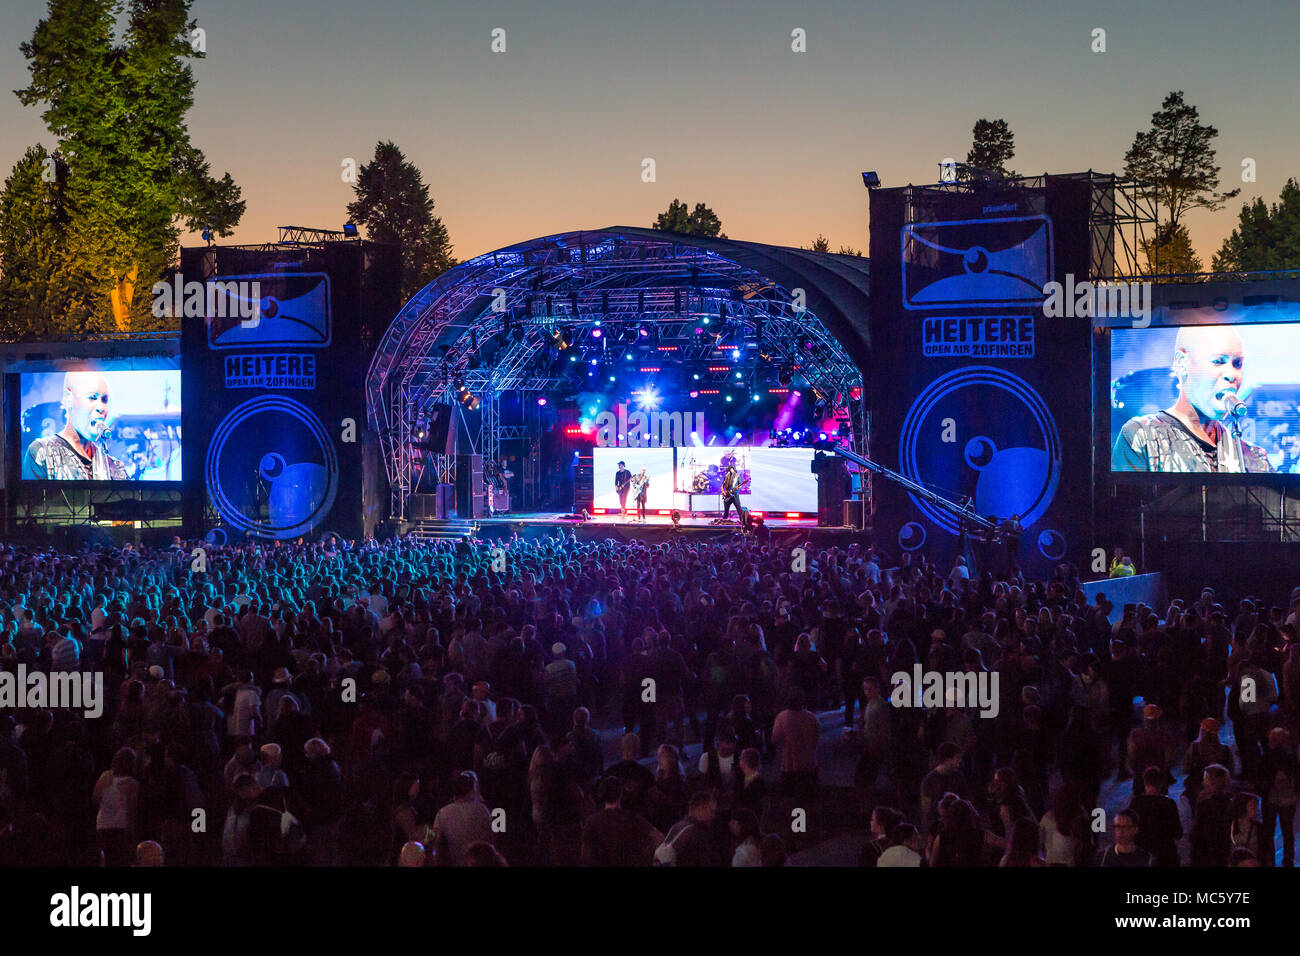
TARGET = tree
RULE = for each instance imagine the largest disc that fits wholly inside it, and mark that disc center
(131, 176)
(1265, 237)
(848, 251)
(394, 205)
(33, 219)
(117, 109)
(1169, 251)
(1177, 156)
(701, 221)
(992, 146)
(821, 244)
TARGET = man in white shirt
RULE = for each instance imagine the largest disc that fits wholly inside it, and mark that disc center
(959, 573)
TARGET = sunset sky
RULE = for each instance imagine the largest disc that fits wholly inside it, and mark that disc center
(550, 135)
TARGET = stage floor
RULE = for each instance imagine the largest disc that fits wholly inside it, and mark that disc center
(651, 520)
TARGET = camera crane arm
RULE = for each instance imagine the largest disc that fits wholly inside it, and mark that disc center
(973, 519)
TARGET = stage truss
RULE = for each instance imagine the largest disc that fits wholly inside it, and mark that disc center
(489, 327)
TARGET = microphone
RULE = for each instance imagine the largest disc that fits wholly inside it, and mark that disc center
(1233, 403)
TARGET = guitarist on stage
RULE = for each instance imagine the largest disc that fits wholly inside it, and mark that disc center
(622, 481)
(642, 485)
(731, 492)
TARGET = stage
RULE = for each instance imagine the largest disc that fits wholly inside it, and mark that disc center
(655, 528)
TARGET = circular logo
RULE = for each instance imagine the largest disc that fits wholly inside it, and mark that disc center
(911, 536)
(1051, 545)
(216, 537)
(983, 433)
(272, 470)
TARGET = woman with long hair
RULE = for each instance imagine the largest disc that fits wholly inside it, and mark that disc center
(117, 799)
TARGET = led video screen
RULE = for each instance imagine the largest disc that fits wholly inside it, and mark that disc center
(656, 463)
(771, 479)
(1177, 392)
(100, 424)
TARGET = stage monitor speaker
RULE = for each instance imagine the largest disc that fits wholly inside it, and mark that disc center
(471, 500)
(832, 489)
(422, 507)
(445, 506)
(853, 513)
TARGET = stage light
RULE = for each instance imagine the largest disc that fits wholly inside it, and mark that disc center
(573, 358)
(644, 332)
(871, 179)
(612, 378)
(728, 398)
(735, 354)
(785, 376)
(740, 375)
(628, 357)
(350, 230)
(694, 394)
(696, 376)
(705, 320)
(754, 397)
(821, 436)
(541, 401)
(595, 361)
(649, 398)
(797, 435)
(699, 330)
(595, 333)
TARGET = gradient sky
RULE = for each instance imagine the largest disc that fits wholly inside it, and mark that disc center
(550, 135)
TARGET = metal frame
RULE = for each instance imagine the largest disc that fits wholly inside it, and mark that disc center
(454, 331)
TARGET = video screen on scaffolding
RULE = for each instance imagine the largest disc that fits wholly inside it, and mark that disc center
(100, 423)
(1178, 391)
(655, 465)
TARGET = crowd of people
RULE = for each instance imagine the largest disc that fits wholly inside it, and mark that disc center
(532, 702)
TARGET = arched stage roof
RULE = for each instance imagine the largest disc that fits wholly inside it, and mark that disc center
(485, 322)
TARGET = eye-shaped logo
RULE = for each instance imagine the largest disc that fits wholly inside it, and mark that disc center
(1007, 458)
(294, 309)
(272, 469)
(979, 262)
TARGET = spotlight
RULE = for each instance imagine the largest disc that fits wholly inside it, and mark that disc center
(694, 394)
(350, 230)
(541, 401)
(735, 354)
(871, 179)
(754, 397)
(595, 333)
(728, 398)
(644, 332)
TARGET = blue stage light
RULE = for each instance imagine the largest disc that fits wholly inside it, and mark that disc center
(728, 398)
(595, 333)
(740, 375)
(611, 378)
(735, 353)
(541, 401)
(696, 376)
(754, 397)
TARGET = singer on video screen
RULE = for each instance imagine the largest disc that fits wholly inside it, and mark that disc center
(1201, 431)
(77, 452)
